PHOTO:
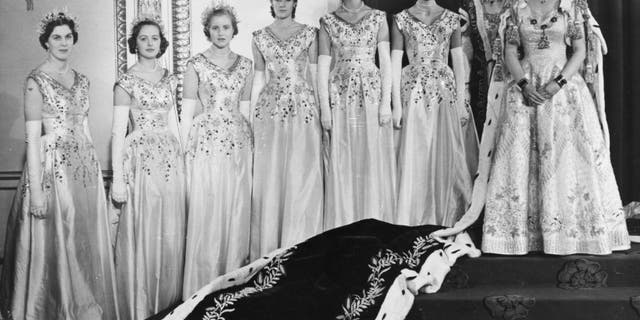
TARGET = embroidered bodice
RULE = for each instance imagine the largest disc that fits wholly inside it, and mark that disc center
(64, 112)
(220, 89)
(289, 93)
(150, 102)
(354, 43)
(220, 129)
(425, 43)
(543, 39)
(64, 109)
(286, 60)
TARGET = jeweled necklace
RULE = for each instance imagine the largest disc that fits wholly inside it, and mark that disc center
(355, 10)
(544, 43)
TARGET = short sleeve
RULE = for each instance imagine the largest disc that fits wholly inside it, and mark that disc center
(512, 34)
(575, 21)
(125, 82)
(454, 20)
(38, 80)
(382, 17)
(400, 20)
(324, 23)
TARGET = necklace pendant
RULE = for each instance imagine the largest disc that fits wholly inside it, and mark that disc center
(544, 42)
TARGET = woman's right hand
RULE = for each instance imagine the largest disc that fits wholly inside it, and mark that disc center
(37, 203)
(119, 191)
(532, 96)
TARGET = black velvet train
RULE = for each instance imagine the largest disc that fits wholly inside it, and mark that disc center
(344, 273)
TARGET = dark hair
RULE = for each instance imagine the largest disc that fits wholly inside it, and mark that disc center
(293, 12)
(62, 20)
(135, 31)
(224, 11)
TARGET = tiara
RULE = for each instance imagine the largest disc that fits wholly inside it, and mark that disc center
(56, 15)
(148, 18)
(217, 5)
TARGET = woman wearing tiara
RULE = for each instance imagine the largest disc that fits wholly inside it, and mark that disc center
(434, 181)
(545, 173)
(287, 182)
(148, 179)
(219, 153)
(58, 259)
(356, 107)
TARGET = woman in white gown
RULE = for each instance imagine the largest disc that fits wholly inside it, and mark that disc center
(219, 154)
(545, 171)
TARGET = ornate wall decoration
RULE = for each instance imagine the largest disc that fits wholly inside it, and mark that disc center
(149, 8)
(181, 13)
(121, 36)
(582, 274)
(509, 307)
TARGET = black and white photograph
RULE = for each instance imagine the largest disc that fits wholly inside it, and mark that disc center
(319, 159)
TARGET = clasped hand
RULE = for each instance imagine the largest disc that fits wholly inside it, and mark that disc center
(535, 97)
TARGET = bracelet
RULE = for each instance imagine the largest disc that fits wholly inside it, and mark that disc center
(560, 80)
(523, 83)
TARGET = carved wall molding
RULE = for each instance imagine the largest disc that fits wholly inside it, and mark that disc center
(509, 307)
(582, 274)
(181, 13)
(9, 179)
(121, 36)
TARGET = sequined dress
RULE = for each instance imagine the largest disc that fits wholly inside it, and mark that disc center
(361, 172)
(434, 182)
(219, 162)
(287, 182)
(61, 267)
(551, 187)
(151, 230)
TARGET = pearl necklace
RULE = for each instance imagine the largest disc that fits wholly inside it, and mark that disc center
(356, 10)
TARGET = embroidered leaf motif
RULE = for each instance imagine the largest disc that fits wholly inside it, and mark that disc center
(380, 264)
(266, 279)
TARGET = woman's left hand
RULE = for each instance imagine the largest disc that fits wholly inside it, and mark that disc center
(550, 89)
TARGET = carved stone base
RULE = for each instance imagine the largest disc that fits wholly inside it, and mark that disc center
(509, 307)
(582, 274)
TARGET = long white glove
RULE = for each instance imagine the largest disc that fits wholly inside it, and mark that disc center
(259, 81)
(245, 109)
(85, 127)
(37, 201)
(118, 132)
(174, 125)
(324, 66)
(396, 95)
(458, 59)
(186, 119)
(384, 53)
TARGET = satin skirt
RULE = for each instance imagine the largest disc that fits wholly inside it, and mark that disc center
(219, 179)
(360, 161)
(288, 177)
(61, 267)
(434, 179)
(552, 186)
(151, 231)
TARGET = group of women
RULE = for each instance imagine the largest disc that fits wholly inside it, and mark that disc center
(265, 154)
